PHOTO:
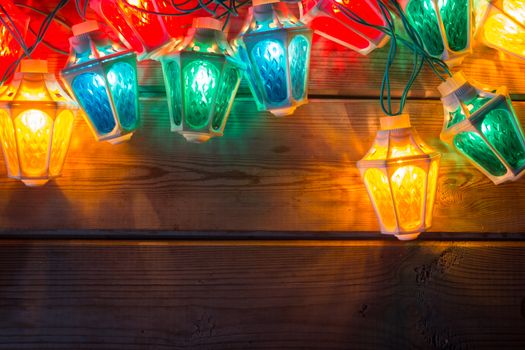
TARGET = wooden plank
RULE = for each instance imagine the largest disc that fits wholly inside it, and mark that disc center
(337, 71)
(265, 174)
(141, 235)
(261, 295)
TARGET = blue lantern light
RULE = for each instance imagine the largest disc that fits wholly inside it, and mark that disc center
(102, 76)
(276, 49)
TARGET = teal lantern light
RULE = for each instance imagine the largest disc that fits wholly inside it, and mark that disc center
(202, 77)
(276, 49)
(102, 76)
(482, 126)
(445, 27)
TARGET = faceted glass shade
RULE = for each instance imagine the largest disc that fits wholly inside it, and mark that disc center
(400, 174)
(445, 27)
(103, 79)
(10, 49)
(140, 31)
(483, 127)
(201, 79)
(327, 20)
(276, 50)
(36, 122)
(501, 25)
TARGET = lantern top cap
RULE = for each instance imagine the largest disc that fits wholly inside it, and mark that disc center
(395, 122)
(207, 23)
(33, 66)
(85, 27)
(263, 2)
(452, 84)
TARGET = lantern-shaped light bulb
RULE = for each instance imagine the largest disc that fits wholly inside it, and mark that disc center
(327, 19)
(36, 122)
(445, 26)
(501, 25)
(102, 77)
(400, 173)
(10, 48)
(202, 77)
(143, 32)
(275, 46)
(482, 126)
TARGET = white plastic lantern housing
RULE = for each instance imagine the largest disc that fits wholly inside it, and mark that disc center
(202, 77)
(275, 46)
(36, 122)
(400, 173)
(482, 126)
(445, 26)
(102, 76)
(500, 24)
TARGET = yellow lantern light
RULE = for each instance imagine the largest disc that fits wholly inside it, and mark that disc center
(400, 173)
(36, 121)
(500, 24)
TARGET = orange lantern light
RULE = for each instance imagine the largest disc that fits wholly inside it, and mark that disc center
(36, 122)
(400, 173)
(500, 24)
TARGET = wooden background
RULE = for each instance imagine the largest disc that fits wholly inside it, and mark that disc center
(266, 173)
(96, 260)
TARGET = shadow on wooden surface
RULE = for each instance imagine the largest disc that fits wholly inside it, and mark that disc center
(261, 295)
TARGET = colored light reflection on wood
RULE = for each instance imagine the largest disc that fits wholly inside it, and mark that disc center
(36, 121)
(501, 25)
(400, 173)
(327, 20)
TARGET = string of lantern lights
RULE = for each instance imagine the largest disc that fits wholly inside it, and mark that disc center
(202, 72)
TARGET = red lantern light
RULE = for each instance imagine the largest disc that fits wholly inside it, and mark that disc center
(327, 20)
(10, 48)
(141, 31)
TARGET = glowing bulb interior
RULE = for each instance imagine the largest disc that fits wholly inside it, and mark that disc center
(507, 30)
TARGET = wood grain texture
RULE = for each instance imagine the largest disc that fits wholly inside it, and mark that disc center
(265, 174)
(261, 295)
(337, 71)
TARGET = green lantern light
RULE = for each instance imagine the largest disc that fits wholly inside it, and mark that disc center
(202, 78)
(275, 46)
(483, 126)
(445, 26)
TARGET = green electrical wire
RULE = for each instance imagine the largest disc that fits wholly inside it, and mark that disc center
(44, 27)
(202, 5)
(13, 29)
(414, 44)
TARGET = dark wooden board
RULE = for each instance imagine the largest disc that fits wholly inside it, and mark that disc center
(261, 295)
